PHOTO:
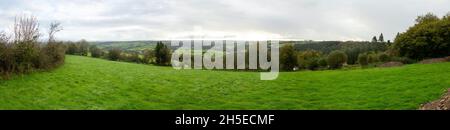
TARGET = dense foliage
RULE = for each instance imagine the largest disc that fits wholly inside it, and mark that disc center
(23, 53)
(428, 38)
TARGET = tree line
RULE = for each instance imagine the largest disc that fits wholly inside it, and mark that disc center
(428, 38)
(160, 55)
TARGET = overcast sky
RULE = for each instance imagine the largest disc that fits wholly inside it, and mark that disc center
(106, 20)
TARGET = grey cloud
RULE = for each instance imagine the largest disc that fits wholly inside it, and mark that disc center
(156, 19)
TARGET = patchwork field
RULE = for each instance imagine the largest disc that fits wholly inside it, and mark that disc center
(88, 83)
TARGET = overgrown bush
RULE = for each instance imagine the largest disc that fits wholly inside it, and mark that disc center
(336, 59)
(23, 53)
(6, 55)
(52, 54)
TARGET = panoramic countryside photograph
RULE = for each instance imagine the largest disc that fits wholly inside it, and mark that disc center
(224, 55)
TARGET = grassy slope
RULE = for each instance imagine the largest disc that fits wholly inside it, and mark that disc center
(87, 83)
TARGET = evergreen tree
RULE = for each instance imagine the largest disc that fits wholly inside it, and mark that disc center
(381, 38)
(374, 39)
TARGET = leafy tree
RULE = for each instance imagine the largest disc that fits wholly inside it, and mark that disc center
(336, 59)
(149, 55)
(114, 54)
(83, 47)
(308, 59)
(428, 38)
(72, 48)
(288, 59)
(95, 51)
(429, 17)
(362, 60)
(374, 39)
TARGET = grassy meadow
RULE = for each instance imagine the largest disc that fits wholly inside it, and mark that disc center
(89, 83)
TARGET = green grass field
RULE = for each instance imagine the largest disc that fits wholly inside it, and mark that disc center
(88, 83)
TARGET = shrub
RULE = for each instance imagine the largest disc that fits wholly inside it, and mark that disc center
(312, 64)
(404, 60)
(308, 59)
(383, 57)
(78, 48)
(95, 51)
(6, 56)
(323, 62)
(130, 57)
(24, 53)
(336, 59)
(114, 54)
(372, 58)
(288, 59)
(25, 44)
(362, 60)
(83, 47)
(52, 55)
(72, 48)
(149, 55)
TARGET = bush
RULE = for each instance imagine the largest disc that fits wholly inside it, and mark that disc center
(6, 56)
(114, 54)
(323, 62)
(362, 60)
(336, 59)
(24, 53)
(383, 57)
(53, 53)
(131, 57)
(149, 55)
(404, 60)
(312, 64)
(308, 59)
(72, 48)
(83, 47)
(78, 48)
(288, 59)
(372, 58)
(95, 52)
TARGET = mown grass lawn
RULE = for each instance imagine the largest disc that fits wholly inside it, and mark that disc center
(88, 83)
